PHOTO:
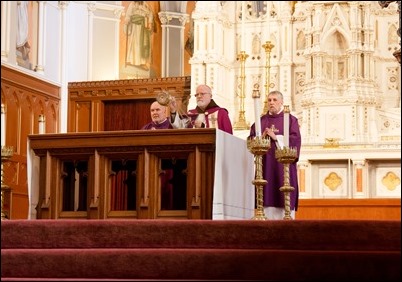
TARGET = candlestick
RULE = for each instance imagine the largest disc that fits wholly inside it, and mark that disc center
(286, 126)
(3, 125)
(256, 97)
(268, 47)
(259, 147)
(286, 156)
(6, 154)
(242, 123)
(42, 124)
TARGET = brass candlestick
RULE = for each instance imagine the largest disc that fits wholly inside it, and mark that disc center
(241, 123)
(6, 153)
(267, 47)
(286, 156)
(258, 146)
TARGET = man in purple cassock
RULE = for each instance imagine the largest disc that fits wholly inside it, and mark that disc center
(272, 125)
(207, 114)
(158, 116)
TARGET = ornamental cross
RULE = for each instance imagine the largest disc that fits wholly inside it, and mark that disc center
(213, 120)
(274, 129)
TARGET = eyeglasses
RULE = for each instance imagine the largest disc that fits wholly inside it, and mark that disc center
(200, 94)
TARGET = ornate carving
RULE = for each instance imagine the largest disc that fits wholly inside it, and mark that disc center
(391, 180)
(385, 4)
(63, 4)
(333, 181)
(331, 143)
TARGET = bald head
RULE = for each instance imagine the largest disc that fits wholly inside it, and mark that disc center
(158, 112)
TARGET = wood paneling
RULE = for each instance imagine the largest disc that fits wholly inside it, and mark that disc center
(25, 97)
(359, 209)
(148, 148)
(120, 104)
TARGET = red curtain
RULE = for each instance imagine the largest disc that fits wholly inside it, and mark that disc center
(119, 191)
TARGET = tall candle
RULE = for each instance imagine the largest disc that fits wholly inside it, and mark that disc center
(286, 126)
(256, 98)
(3, 126)
(42, 124)
(243, 33)
(269, 27)
(257, 116)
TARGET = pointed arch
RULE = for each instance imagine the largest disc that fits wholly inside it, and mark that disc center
(336, 21)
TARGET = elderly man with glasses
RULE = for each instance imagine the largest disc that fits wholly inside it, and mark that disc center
(208, 114)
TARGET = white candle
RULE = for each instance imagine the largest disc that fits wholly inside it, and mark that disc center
(256, 98)
(3, 126)
(286, 126)
(42, 124)
(269, 28)
(257, 116)
(243, 33)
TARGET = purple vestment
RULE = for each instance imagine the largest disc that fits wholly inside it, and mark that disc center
(272, 169)
(215, 117)
(152, 125)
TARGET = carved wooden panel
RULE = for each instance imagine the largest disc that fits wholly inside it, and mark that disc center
(76, 165)
(25, 98)
(94, 106)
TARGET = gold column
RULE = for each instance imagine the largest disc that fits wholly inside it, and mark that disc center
(268, 47)
(241, 122)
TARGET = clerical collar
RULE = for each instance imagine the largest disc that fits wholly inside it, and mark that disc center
(280, 111)
(211, 104)
(161, 121)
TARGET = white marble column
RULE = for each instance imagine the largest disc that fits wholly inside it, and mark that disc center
(63, 65)
(41, 35)
(173, 42)
(5, 30)
(91, 9)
